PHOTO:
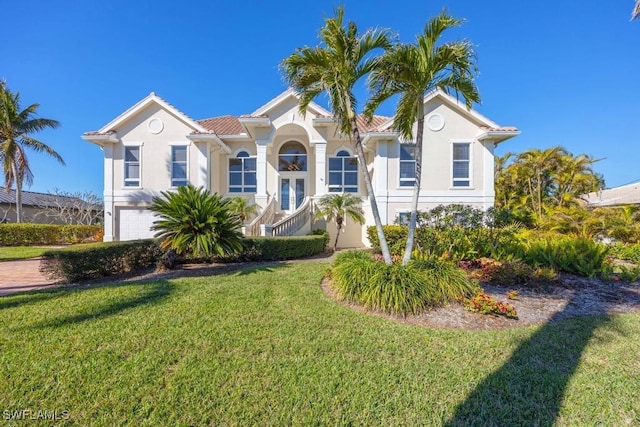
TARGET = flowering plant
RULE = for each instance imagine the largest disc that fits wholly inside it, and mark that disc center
(485, 304)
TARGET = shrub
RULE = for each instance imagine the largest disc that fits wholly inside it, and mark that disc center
(397, 289)
(626, 252)
(577, 255)
(97, 260)
(320, 232)
(278, 248)
(28, 234)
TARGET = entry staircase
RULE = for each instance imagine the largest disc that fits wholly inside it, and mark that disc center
(272, 223)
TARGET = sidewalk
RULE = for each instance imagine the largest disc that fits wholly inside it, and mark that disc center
(22, 275)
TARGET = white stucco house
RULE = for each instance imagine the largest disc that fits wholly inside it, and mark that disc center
(283, 161)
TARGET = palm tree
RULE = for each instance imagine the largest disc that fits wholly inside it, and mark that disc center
(413, 70)
(636, 10)
(242, 207)
(192, 220)
(334, 67)
(338, 207)
(15, 127)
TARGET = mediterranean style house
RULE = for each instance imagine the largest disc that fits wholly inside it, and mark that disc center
(284, 161)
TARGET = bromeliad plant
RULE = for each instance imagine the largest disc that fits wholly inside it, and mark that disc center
(484, 304)
(196, 222)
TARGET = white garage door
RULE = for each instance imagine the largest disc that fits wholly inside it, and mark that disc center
(135, 224)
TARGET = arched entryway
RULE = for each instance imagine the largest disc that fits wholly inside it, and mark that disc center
(293, 166)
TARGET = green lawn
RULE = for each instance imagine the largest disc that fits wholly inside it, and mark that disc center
(265, 346)
(8, 253)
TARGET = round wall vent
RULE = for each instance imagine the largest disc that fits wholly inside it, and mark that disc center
(435, 122)
(155, 126)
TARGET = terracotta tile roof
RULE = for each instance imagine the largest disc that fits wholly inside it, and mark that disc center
(223, 125)
(376, 122)
(95, 132)
(500, 129)
(252, 116)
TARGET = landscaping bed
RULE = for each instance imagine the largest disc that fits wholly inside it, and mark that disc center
(574, 296)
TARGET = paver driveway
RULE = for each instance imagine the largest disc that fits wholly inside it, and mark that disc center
(21, 275)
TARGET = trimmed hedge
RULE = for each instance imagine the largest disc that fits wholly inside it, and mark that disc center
(28, 234)
(280, 248)
(83, 262)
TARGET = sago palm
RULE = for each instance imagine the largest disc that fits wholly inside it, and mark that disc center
(16, 126)
(334, 67)
(413, 70)
(338, 207)
(195, 221)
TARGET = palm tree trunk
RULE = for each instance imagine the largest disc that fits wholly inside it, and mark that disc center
(18, 179)
(416, 191)
(339, 227)
(386, 255)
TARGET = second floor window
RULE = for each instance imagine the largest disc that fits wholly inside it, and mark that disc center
(178, 166)
(132, 166)
(461, 164)
(242, 173)
(343, 173)
(407, 165)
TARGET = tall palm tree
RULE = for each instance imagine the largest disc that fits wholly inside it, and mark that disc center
(636, 10)
(334, 67)
(413, 70)
(15, 127)
(338, 207)
(242, 207)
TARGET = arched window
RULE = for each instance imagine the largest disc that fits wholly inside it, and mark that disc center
(292, 157)
(242, 173)
(343, 173)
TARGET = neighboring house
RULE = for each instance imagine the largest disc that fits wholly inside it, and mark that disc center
(283, 160)
(618, 196)
(42, 208)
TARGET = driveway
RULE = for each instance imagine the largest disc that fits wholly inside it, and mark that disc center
(22, 275)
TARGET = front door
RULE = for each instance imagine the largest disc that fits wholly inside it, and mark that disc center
(292, 193)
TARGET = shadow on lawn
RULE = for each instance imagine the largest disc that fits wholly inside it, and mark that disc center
(529, 388)
(151, 292)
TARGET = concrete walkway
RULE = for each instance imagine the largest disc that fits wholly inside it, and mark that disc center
(22, 275)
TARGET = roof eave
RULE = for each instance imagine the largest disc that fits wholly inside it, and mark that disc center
(209, 137)
(497, 136)
(100, 140)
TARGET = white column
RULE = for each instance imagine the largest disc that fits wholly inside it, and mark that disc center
(109, 211)
(261, 172)
(321, 167)
(203, 173)
(488, 174)
(381, 184)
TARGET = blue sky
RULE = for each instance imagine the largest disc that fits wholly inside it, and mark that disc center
(563, 72)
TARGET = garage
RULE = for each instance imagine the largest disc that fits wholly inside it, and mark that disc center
(135, 224)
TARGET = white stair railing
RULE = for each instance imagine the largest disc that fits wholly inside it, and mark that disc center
(294, 222)
(265, 217)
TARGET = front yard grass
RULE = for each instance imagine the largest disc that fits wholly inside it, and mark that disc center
(10, 253)
(265, 346)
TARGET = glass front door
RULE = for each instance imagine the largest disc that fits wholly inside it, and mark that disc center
(291, 193)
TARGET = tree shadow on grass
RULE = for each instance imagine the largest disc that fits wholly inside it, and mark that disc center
(153, 292)
(529, 388)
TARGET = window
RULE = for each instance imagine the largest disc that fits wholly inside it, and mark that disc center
(242, 173)
(292, 157)
(461, 164)
(407, 165)
(403, 218)
(178, 166)
(343, 173)
(132, 166)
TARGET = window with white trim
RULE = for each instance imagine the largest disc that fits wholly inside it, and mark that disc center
(343, 173)
(403, 218)
(461, 168)
(179, 165)
(242, 173)
(132, 166)
(407, 165)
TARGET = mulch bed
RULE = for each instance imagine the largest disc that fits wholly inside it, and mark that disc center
(574, 296)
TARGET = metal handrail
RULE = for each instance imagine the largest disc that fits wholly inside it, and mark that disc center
(266, 217)
(294, 222)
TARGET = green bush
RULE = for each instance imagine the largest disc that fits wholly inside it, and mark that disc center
(324, 233)
(397, 289)
(278, 248)
(576, 255)
(28, 234)
(626, 252)
(83, 262)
